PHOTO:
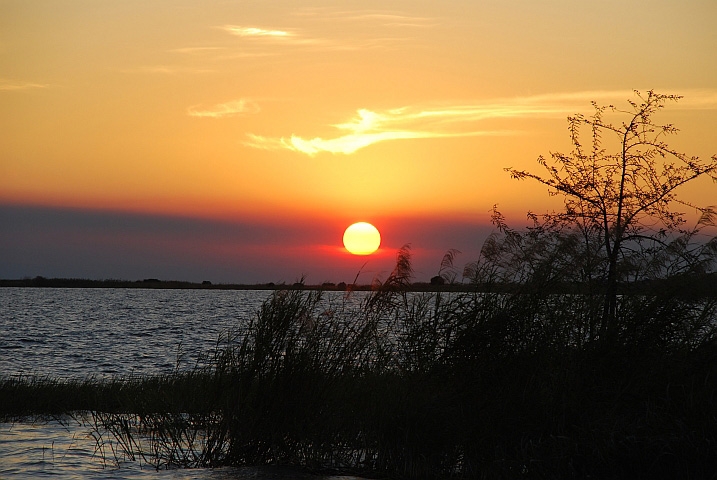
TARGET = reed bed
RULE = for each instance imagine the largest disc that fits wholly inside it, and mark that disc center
(508, 384)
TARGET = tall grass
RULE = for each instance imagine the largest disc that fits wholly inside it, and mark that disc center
(497, 383)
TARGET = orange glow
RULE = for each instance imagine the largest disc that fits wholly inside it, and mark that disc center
(89, 118)
(362, 238)
(313, 115)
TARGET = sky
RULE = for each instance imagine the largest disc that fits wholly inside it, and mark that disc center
(234, 141)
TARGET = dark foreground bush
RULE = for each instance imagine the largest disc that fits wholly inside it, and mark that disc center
(460, 385)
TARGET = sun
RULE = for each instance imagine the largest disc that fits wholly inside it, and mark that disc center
(362, 238)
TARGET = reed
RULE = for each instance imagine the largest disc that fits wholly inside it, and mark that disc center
(496, 383)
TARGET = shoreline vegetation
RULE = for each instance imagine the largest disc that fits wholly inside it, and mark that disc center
(703, 285)
(208, 285)
(420, 386)
(584, 346)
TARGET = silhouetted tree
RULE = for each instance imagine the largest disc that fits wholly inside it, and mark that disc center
(620, 191)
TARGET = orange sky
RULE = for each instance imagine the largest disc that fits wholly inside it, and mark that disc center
(319, 114)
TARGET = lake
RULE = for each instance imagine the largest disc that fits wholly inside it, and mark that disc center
(100, 332)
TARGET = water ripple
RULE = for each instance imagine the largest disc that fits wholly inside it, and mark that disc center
(65, 448)
(94, 332)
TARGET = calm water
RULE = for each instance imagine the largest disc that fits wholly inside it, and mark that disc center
(76, 333)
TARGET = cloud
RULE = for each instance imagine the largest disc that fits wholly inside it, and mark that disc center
(577, 101)
(283, 36)
(346, 144)
(391, 19)
(241, 106)
(254, 31)
(381, 17)
(376, 29)
(295, 38)
(368, 127)
(9, 85)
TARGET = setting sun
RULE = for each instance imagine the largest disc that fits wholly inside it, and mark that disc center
(362, 238)
(232, 144)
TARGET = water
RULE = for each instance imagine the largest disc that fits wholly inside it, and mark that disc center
(80, 333)
(65, 449)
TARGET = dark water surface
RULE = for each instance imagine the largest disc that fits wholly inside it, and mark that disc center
(80, 333)
(66, 449)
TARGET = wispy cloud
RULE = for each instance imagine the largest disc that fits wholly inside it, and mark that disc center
(241, 106)
(385, 18)
(372, 29)
(347, 144)
(298, 39)
(255, 32)
(369, 127)
(284, 37)
(577, 101)
(9, 85)
(390, 19)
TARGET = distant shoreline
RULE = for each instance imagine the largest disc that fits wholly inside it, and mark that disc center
(691, 286)
(153, 283)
